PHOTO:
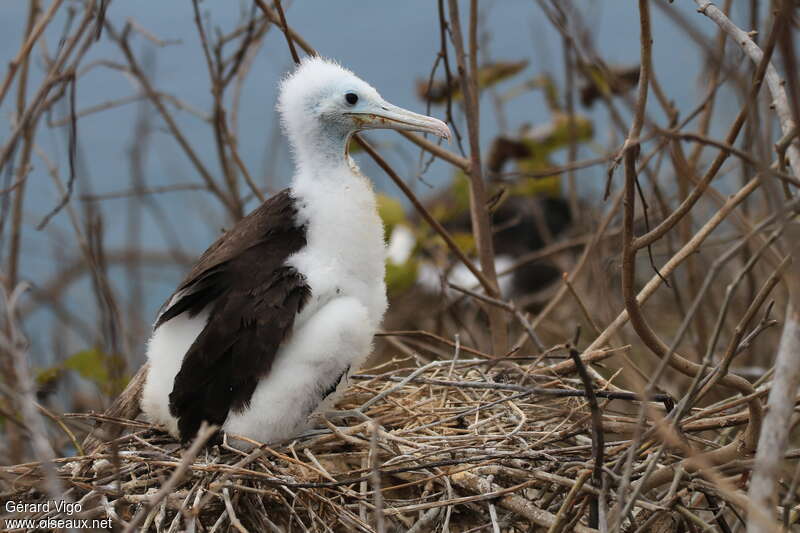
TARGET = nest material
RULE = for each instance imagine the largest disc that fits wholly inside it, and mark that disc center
(458, 442)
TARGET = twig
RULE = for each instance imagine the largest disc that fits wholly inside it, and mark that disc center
(375, 480)
(15, 345)
(479, 214)
(27, 46)
(203, 434)
(598, 438)
(286, 33)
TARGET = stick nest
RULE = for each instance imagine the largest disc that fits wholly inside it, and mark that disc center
(468, 443)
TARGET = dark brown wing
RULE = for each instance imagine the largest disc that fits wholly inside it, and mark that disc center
(271, 227)
(253, 298)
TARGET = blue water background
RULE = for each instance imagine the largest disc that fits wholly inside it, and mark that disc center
(389, 43)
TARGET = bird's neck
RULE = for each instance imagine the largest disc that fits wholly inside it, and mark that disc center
(323, 168)
(338, 207)
(320, 148)
(331, 180)
(326, 179)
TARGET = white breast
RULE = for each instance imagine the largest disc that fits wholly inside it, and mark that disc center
(346, 253)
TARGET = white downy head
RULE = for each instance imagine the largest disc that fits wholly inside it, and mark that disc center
(322, 104)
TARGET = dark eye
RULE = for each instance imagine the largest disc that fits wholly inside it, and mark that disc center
(351, 98)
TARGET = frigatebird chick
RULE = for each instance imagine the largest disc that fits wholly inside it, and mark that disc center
(279, 311)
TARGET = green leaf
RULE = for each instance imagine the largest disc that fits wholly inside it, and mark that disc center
(46, 376)
(488, 75)
(95, 366)
(391, 212)
(400, 278)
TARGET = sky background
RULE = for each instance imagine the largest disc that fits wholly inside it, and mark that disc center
(390, 44)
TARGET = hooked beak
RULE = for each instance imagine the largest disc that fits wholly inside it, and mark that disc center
(388, 116)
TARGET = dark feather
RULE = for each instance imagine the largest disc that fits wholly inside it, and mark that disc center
(253, 298)
(334, 384)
